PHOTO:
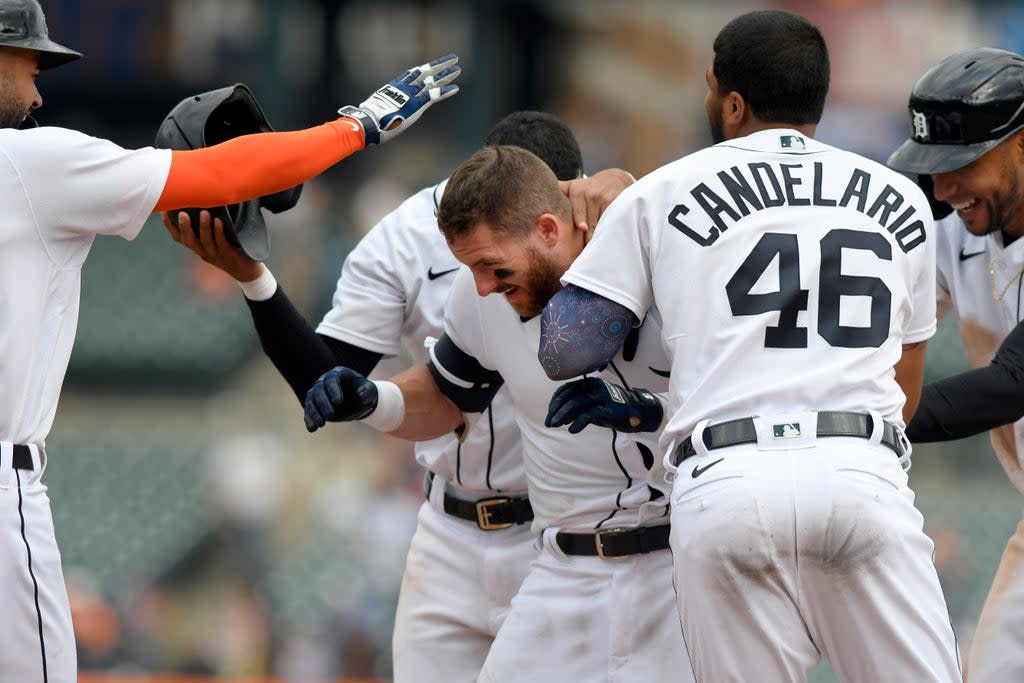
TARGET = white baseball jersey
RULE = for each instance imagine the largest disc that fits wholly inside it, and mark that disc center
(980, 278)
(60, 189)
(390, 296)
(748, 328)
(597, 478)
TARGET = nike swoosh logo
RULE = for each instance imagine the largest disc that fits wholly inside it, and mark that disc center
(433, 276)
(353, 125)
(964, 257)
(697, 471)
(660, 373)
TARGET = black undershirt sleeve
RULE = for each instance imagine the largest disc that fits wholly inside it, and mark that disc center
(975, 401)
(298, 352)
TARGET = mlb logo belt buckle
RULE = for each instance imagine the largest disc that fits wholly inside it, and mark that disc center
(786, 430)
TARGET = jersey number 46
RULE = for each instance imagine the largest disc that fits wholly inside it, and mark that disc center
(789, 300)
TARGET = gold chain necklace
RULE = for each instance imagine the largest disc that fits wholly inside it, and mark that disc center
(998, 295)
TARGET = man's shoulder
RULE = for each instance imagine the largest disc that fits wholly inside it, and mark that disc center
(41, 138)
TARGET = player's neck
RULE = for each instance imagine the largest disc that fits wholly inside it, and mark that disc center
(755, 125)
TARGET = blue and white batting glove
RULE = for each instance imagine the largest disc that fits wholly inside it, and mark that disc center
(340, 395)
(594, 401)
(398, 103)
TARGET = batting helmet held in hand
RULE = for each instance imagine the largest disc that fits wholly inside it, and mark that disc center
(961, 108)
(213, 117)
(22, 24)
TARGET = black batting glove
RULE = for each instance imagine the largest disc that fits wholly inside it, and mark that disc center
(340, 395)
(594, 401)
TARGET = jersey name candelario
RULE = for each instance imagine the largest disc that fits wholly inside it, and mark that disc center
(757, 186)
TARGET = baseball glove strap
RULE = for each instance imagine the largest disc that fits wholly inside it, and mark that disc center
(830, 423)
(615, 542)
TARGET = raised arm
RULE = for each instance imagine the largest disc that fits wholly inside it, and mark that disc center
(255, 165)
(580, 332)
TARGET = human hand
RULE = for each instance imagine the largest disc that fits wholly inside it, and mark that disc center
(209, 241)
(594, 401)
(398, 103)
(340, 395)
(591, 196)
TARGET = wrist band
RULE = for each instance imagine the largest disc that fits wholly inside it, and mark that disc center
(260, 289)
(390, 410)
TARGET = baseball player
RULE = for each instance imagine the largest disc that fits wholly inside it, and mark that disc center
(473, 543)
(792, 278)
(597, 602)
(60, 189)
(967, 147)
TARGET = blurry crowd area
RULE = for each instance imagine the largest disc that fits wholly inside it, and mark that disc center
(203, 530)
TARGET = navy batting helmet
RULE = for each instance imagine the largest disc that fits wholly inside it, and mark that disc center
(23, 25)
(213, 117)
(961, 108)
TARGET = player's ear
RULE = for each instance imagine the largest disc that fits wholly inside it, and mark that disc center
(735, 113)
(548, 227)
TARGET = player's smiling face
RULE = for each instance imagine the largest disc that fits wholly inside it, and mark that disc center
(988, 193)
(525, 271)
(18, 94)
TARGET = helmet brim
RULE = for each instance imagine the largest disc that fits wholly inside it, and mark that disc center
(925, 159)
(51, 55)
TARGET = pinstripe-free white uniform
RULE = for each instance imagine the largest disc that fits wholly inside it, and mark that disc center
(788, 274)
(60, 189)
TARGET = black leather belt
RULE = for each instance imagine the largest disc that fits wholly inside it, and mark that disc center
(830, 423)
(491, 513)
(22, 458)
(615, 542)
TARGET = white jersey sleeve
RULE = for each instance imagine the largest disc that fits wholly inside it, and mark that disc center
(74, 184)
(393, 284)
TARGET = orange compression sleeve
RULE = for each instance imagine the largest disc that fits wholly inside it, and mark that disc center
(251, 166)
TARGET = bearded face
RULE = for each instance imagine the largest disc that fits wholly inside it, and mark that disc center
(13, 110)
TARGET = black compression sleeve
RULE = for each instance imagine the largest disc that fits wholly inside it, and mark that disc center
(296, 350)
(974, 401)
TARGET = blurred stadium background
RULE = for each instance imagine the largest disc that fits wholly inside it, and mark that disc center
(203, 531)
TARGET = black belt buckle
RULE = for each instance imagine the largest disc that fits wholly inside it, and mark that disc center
(484, 512)
(599, 539)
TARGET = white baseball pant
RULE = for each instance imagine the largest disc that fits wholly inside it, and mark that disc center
(37, 643)
(591, 620)
(458, 583)
(787, 556)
